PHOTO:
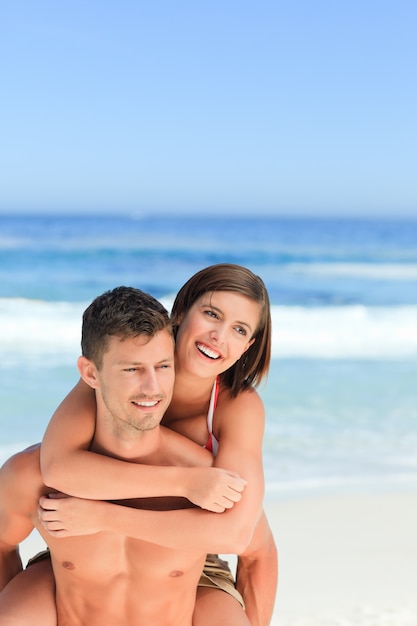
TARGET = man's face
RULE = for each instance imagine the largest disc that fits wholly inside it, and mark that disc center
(135, 382)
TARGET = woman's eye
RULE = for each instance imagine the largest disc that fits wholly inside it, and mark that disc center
(211, 314)
(241, 331)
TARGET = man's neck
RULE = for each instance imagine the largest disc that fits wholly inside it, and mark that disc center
(136, 446)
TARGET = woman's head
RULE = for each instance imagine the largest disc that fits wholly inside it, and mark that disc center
(253, 364)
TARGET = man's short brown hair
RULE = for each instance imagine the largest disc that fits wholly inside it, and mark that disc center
(123, 312)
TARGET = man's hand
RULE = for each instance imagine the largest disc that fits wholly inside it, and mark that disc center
(64, 516)
(214, 489)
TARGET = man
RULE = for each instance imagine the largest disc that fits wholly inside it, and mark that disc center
(107, 578)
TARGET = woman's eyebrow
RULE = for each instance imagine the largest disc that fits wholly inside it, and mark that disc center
(215, 308)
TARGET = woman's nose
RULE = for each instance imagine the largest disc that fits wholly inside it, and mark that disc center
(217, 334)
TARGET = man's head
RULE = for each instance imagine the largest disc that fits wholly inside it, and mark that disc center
(128, 358)
(123, 312)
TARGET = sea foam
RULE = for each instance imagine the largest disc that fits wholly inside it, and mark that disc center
(32, 328)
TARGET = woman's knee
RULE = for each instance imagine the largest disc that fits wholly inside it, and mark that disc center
(215, 606)
(29, 598)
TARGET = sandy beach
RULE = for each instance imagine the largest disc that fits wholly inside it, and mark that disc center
(344, 560)
(347, 560)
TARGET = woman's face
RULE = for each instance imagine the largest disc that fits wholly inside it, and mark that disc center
(215, 332)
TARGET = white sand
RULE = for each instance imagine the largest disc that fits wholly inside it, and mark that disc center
(347, 560)
(344, 560)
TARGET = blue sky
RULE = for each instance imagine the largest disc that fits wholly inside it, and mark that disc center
(233, 106)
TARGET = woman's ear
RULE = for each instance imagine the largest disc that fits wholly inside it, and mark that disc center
(88, 371)
(249, 344)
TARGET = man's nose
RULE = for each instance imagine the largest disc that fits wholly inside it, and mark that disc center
(149, 383)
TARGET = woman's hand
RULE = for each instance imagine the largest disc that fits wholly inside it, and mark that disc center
(64, 516)
(214, 489)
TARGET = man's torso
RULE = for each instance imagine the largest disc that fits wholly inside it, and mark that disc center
(107, 579)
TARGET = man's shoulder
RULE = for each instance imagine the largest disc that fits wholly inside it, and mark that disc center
(23, 468)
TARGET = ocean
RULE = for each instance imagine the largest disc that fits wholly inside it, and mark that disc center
(341, 396)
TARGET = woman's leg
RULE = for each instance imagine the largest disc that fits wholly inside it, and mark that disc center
(215, 607)
(29, 598)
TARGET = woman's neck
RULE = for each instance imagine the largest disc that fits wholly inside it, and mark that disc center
(192, 387)
(191, 396)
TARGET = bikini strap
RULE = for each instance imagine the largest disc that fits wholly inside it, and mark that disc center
(212, 405)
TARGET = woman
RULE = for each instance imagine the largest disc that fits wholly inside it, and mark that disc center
(222, 325)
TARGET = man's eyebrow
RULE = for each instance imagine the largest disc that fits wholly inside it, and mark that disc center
(168, 359)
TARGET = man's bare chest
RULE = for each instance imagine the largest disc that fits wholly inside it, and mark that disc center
(103, 557)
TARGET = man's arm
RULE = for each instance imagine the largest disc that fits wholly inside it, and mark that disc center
(10, 563)
(257, 575)
(15, 523)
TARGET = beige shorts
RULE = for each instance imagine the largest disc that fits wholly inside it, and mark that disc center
(216, 574)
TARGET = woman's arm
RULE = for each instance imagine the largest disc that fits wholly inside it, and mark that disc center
(257, 571)
(69, 466)
(240, 451)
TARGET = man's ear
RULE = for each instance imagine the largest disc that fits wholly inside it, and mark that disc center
(88, 371)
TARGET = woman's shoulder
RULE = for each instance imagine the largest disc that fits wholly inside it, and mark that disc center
(240, 420)
(248, 394)
(248, 402)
